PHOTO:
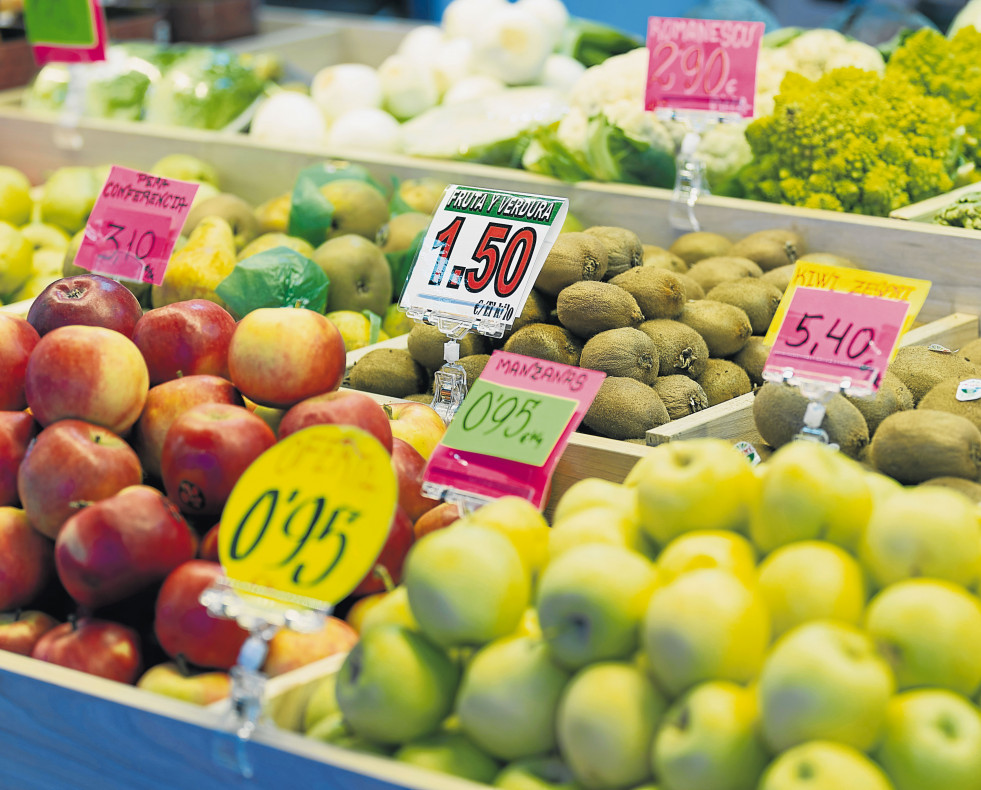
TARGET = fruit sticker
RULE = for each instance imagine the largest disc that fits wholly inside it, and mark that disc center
(310, 516)
(65, 31)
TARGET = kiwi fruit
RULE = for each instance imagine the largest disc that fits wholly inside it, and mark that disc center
(624, 352)
(658, 292)
(920, 368)
(752, 358)
(754, 297)
(725, 328)
(828, 259)
(625, 409)
(709, 272)
(771, 249)
(892, 396)
(574, 257)
(778, 411)
(692, 247)
(779, 277)
(921, 444)
(420, 397)
(660, 258)
(681, 395)
(623, 248)
(681, 348)
(943, 397)
(968, 488)
(971, 352)
(546, 341)
(692, 289)
(536, 311)
(587, 308)
(425, 343)
(389, 371)
(474, 366)
(723, 380)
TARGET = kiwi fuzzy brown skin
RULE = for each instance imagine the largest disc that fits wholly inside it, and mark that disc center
(971, 352)
(389, 371)
(474, 366)
(892, 396)
(921, 444)
(723, 380)
(588, 308)
(660, 258)
(681, 395)
(943, 397)
(724, 327)
(921, 369)
(752, 358)
(658, 292)
(754, 297)
(771, 248)
(623, 248)
(692, 289)
(968, 488)
(546, 341)
(625, 409)
(780, 277)
(574, 257)
(425, 343)
(625, 353)
(692, 247)
(681, 348)
(710, 272)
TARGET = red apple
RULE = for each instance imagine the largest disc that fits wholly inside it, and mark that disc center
(17, 340)
(17, 428)
(121, 545)
(168, 401)
(183, 625)
(441, 516)
(289, 650)
(87, 299)
(25, 559)
(70, 464)
(339, 408)
(391, 558)
(409, 466)
(208, 547)
(99, 647)
(416, 423)
(280, 356)
(89, 373)
(20, 631)
(185, 339)
(205, 452)
(198, 688)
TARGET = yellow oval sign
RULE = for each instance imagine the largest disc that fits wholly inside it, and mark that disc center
(310, 516)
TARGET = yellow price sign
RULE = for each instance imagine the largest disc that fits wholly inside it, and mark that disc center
(310, 516)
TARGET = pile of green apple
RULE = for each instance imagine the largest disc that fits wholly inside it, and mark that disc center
(706, 625)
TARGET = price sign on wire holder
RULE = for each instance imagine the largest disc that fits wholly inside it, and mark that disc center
(65, 31)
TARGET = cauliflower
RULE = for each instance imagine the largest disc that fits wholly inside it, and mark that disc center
(724, 151)
(620, 77)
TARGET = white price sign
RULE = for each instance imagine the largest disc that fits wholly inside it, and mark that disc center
(482, 254)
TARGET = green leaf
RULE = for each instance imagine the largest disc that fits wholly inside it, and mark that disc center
(310, 212)
(278, 277)
(374, 326)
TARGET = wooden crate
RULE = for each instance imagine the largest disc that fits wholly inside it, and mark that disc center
(925, 209)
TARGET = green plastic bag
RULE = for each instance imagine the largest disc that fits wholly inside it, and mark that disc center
(310, 212)
(279, 277)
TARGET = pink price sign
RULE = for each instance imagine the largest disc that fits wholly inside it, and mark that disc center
(512, 427)
(831, 336)
(134, 225)
(65, 31)
(702, 64)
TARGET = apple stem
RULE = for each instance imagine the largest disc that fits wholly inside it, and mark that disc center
(181, 661)
(388, 410)
(73, 619)
(79, 504)
(382, 573)
(18, 613)
(97, 439)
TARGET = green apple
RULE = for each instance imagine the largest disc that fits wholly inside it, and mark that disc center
(590, 603)
(68, 196)
(450, 753)
(708, 548)
(709, 740)
(395, 685)
(392, 608)
(932, 739)
(45, 237)
(598, 525)
(824, 681)
(923, 531)
(521, 523)
(812, 580)
(594, 492)
(467, 585)
(322, 703)
(537, 773)
(881, 486)
(509, 696)
(705, 625)
(810, 492)
(697, 484)
(608, 717)
(930, 631)
(202, 688)
(15, 197)
(333, 730)
(821, 765)
(16, 259)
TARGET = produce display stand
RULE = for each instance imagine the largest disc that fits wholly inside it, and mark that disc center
(925, 209)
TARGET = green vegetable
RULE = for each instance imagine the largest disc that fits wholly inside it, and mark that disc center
(616, 153)
(547, 156)
(964, 213)
(591, 42)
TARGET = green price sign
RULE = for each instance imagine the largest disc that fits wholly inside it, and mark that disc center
(67, 23)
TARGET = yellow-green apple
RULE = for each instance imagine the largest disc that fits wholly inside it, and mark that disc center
(15, 196)
(812, 580)
(395, 685)
(185, 339)
(17, 339)
(409, 466)
(929, 630)
(824, 765)
(198, 688)
(16, 259)
(809, 491)
(333, 729)
(521, 523)
(594, 492)
(87, 299)
(607, 719)
(932, 739)
(709, 740)
(450, 753)
(705, 625)
(440, 517)
(388, 565)
(392, 608)
(699, 484)
(43, 236)
(466, 585)
(824, 681)
(20, 630)
(208, 546)
(289, 650)
(98, 647)
(417, 424)
(17, 429)
(280, 356)
(591, 601)
(924, 531)
(339, 408)
(25, 559)
(182, 623)
(536, 773)
(87, 373)
(206, 450)
(509, 698)
(322, 702)
(708, 548)
(168, 401)
(70, 464)
(121, 545)
(596, 525)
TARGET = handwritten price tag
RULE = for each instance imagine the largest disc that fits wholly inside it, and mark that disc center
(702, 64)
(66, 31)
(134, 225)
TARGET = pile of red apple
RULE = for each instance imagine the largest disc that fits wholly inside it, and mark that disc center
(122, 434)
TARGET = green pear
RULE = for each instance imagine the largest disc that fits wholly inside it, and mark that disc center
(537, 773)
(16, 203)
(322, 703)
(705, 625)
(466, 585)
(590, 603)
(932, 739)
(422, 194)
(821, 765)
(930, 631)
(332, 729)
(608, 717)
(395, 685)
(709, 740)
(509, 697)
(358, 272)
(393, 608)
(358, 208)
(824, 681)
(401, 230)
(450, 753)
(16, 260)
(231, 208)
(69, 195)
(185, 167)
(268, 241)
(199, 266)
